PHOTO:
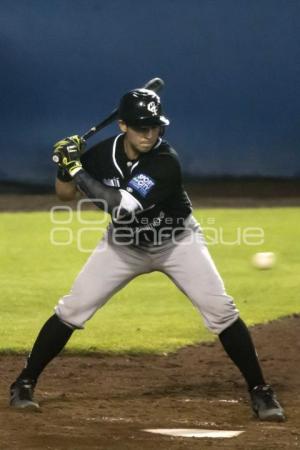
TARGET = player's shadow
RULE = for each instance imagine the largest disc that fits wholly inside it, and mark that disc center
(201, 390)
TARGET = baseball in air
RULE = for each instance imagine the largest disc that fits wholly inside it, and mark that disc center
(264, 260)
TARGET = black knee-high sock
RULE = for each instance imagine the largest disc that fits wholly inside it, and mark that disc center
(239, 346)
(51, 340)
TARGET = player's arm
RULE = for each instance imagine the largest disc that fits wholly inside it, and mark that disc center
(104, 197)
(65, 190)
(67, 153)
(118, 203)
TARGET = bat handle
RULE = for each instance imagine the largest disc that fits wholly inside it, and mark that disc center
(88, 134)
(56, 159)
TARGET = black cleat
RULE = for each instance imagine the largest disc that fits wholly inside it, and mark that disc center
(21, 395)
(265, 404)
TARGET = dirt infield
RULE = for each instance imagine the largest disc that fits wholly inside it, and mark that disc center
(105, 402)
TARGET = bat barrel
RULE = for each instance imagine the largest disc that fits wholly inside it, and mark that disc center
(156, 84)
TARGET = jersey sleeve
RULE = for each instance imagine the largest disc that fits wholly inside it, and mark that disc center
(154, 184)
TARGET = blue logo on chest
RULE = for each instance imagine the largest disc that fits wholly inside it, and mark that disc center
(142, 184)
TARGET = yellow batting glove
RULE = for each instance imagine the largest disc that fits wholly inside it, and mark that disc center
(67, 154)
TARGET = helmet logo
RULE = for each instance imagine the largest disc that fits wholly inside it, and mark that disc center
(152, 107)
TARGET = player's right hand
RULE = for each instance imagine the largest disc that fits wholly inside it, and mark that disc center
(66, 153)
(75, 142)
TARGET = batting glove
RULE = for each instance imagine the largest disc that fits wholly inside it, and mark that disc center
(67, 154)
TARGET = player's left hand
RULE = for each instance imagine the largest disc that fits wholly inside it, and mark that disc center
(66, 154)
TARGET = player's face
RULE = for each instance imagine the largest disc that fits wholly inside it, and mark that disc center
(139, 139)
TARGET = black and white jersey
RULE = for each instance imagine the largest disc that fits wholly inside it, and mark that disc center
(154, 204)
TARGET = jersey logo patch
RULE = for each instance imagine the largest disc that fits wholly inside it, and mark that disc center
(142, 184)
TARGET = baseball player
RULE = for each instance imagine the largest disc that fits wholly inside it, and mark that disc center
(136, 177)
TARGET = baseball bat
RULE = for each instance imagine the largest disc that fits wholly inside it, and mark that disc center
(155, 84)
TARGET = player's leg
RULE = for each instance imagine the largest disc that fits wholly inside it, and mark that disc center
(191, 267)
(108, 269)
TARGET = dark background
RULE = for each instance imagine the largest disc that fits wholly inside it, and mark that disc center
(231, 67)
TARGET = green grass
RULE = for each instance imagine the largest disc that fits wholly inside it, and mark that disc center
(150, 314)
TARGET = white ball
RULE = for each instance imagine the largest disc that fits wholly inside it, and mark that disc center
(264, 260)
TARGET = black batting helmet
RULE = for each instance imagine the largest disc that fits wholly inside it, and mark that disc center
(142, 107)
